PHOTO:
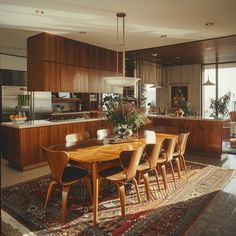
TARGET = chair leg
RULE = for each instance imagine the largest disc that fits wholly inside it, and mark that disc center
(88, 183)
(50, 188)
(172, 172)
(157, 178)
(178, 167)
(136, 189)
(163, 172)
(121, 189)
(139, 177)
(184, 164)
(65, 190)
(147, 187)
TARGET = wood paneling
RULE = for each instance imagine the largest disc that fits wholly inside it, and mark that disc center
(221, 50)
(44, 76)
(22, 147)
(205, 136)
(76, 63)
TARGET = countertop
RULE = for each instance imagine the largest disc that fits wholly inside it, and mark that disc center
(39, 123)
(187, 118)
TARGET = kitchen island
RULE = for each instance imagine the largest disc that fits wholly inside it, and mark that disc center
(21, 143)
(206, 134)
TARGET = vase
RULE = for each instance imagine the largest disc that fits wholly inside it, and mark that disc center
(123, 131)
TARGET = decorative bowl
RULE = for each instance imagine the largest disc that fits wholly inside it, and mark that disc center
(18, 120)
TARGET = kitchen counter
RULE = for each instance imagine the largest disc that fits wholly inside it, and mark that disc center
(206, 134)
(187, 118)
(39, 123)
(21, 143)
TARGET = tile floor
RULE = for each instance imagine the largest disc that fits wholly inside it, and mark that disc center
(210, 222)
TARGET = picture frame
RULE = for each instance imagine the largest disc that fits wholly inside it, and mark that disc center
(175, 89)
(93, 97)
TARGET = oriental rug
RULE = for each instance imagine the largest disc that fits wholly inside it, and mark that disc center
(169, 213)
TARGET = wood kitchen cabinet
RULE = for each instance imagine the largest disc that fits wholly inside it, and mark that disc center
(21, 147)
(44, 76)
(60, 64)
(205, 135)
(44, 47)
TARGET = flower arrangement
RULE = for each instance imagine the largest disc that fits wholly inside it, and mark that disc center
(125, 113)
(181, 104)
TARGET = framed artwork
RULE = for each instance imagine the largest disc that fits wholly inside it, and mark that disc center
(179, 90)
(93, 97)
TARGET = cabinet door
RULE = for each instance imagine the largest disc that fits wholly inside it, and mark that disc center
(68, 52)
(44, 76)
(53, 45)
(82, 80)
(69, 77)
(94, 80)
(82, 52)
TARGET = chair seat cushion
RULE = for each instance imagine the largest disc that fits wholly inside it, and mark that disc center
(176, 154)
(72, 174)
(110, 171)
(118, 177)
(144, 166)
(162, 158)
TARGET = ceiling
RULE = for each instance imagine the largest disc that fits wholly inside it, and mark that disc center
(180, 20)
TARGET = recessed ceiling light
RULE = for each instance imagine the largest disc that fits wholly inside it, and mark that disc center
(154, 54)
(177, 57)
(209, 23)
(163, 35)
(39, 12)
(82, 32)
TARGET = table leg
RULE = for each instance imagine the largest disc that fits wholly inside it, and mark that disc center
(95, 194)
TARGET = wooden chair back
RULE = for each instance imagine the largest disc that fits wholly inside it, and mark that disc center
(77, 137)
(57, 161)
(129, 161)
(232, 115)
(152, 153)
(171, 144)
(182, 141)
(102, 133)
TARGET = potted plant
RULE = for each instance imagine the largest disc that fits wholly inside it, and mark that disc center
(220, 105)
(122, 114)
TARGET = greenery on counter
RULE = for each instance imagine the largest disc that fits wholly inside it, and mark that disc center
(220, 105)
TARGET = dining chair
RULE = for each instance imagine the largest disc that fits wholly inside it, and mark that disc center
(102, 133)
(179, 153)
(77, 137)
(165, 158)
(129, 161)
(64, 175)
(152, 152)
(232, 115)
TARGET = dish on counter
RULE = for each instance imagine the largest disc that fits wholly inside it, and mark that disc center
(18, 120)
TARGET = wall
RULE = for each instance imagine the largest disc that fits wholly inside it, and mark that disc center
(13, 62)
(182, 74)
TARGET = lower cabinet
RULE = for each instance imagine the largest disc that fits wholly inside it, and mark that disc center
(22, 147)
(205, 135)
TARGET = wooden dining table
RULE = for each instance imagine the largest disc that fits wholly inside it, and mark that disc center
(95, 156)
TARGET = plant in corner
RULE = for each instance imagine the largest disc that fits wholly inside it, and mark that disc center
(220, 105)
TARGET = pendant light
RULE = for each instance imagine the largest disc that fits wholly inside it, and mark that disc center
(208, 82)
(156, 84)
(121, 81)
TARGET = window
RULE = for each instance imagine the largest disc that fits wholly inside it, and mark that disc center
(208, 92)
(225, 82)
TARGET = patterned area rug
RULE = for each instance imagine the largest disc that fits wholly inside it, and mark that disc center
(162, 216)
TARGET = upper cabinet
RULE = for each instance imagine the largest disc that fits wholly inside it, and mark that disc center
(60, 64)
